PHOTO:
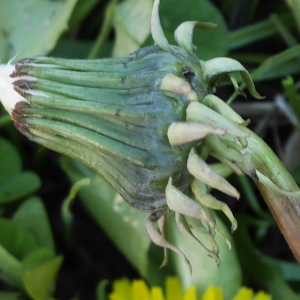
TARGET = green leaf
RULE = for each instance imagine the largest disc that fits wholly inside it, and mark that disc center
(39, 280)
(256, 32)
(81, 10)
(295, 8)
(10, 267)
(10, 160)
(80, 48)
(18, 186)
(18, 241)
(124, 225)
(276, 66)
(210, 43)
(33, 216)
(270, 67)
(37, 257)
(102, 38)
(132, 25)
(32, 27)
(10, 296)
(267, 271)
(126, 228)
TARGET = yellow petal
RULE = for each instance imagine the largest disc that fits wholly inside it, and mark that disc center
(213, 293)
(190, 293)
(157, 294)
(140, 290)
(244, 294)
(173, 289)
(121, 290)
(115, 296)
(262, 296)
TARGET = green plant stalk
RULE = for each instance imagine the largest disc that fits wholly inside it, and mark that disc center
(67, 215)
(285, 208)
(292, 95)
(104, 32)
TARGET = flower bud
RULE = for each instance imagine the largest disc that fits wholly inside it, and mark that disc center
(146, 122)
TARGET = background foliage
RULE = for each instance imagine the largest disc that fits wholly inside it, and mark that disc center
(51, 244)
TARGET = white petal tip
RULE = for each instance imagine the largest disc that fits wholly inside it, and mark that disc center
(8, 95)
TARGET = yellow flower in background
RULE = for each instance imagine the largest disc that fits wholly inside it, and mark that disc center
(123, 289)
(213, 293)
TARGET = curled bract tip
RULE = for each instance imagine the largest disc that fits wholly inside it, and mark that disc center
(215, 68)
(159, 240)
(184, 33)
(156, 29)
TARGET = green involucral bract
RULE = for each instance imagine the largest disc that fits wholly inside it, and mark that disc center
(147, 122)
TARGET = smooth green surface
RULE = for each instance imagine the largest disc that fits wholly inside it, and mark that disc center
(256, 31)
(131, 21)
(16, 239)
(267, 271)
(39, 280)
(209, 43)
(10, 267)
(32, 215)
(31, 27)
(10, 160)
(18, 186)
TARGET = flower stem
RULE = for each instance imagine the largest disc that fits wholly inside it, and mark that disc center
(285, 208)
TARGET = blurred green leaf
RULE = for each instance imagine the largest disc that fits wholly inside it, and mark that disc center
(286, 35)
(33, 216)
(124, 225)
(126, 228)
(257, 31)
(265, 271)
(80, 48)
(81, 10)
(18, 186)
(39, 280)
(132, 25)
(295, 8)
(10, 160)
(10, 267)
(18, 241)
(109, 16)
(210, 43)
(37, 257)
(276, 66)
(290, 271)
(32, 27)
(10, 296)
(276, 62)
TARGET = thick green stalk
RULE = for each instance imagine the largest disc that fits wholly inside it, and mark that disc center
(285, 208)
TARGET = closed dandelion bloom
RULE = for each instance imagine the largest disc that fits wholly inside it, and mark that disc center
(147, 122)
